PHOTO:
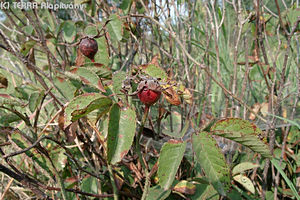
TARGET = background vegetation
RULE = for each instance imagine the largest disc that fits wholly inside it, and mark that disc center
(230, 66)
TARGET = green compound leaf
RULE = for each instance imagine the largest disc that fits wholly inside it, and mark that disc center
(61, 84)
(118, 79)
(102, 53)
(156, 71)
(84, 104)
(25, 48)
(169, 160)
(205, 191)
(6, 99)
(125, 6)
(121, 131)
(212, 161)
(89, 184)
(8, 118)
(158, 193)
(35, 99)
(86, 76)
(243, 132)
(115, 28)
(69, 31)
(91, 30)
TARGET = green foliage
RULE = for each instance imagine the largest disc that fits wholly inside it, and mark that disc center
(169, 160)
(35, 100)
(242, 167)
(245, 182)
(158, 193)
(288, 181)
(205, 191)
(84, 104)
(121, 130)
(115, 28)
(173, 129)
(102, 55)
(156, 71)
(243, 132)
(69, 30)
(118, 79)
(212, 161)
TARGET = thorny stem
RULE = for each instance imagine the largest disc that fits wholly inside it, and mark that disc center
(147, 185)
(138, 149)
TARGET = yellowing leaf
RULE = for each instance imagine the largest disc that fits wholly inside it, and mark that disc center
(264, 109)
(185, 187)
(241, 167)
(245, 182)
(187, 96)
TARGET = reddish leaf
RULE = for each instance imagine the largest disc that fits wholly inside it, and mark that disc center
(79, 59)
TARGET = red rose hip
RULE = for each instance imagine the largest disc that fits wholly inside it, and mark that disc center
(147, 94)
(89, 48)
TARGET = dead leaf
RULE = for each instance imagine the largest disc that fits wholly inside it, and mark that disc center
(61, 119)
(187, 96)
(255, 55)
(284, 114)
(31, 58)
(100, 86)
(60, 79)
(172, 97)
(3, 81)
(255, 109)
(154, 60)
(161, 112)
(170, 73)
(119, 181)
(70, 132)
(79, 59)
(175, 141)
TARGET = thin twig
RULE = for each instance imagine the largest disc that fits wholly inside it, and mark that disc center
(24, 150)
(113, 182)
(138, 149)
(23, 117)
(6, 189)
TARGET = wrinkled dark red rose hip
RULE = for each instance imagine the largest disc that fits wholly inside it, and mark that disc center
(89, 48)
(148, 96)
